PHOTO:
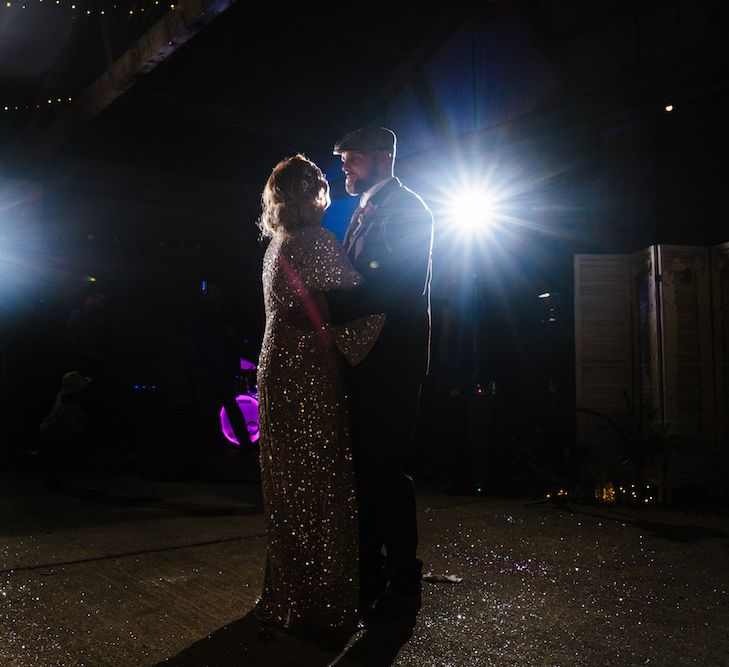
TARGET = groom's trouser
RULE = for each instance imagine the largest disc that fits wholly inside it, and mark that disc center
(383, 411)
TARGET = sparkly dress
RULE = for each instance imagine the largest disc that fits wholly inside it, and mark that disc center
(307, 475)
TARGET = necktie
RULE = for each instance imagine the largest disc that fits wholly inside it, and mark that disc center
(354, 224)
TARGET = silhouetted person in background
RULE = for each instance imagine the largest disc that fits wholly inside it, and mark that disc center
(63, 428)
(88, 339)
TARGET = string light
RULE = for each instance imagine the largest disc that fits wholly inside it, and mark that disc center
(27, 107)
(608, 493)
(76, 8)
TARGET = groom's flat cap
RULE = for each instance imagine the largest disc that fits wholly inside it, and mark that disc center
(367, 139)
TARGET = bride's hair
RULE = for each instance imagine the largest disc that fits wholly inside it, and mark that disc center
(296, 195)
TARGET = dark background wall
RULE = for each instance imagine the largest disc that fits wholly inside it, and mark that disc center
(560, 107)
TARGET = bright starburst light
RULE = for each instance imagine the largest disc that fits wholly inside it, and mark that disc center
(474, 210)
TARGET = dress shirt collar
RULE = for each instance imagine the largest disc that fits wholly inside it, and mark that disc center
(366, 196)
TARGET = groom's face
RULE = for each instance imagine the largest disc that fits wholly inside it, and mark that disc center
(361, 170)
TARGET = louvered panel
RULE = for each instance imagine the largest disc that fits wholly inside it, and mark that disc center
(688, 369)
(602, 331)
(645, 309)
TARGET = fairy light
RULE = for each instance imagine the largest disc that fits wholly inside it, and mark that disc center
(26, 107)
(609, 493)
(75, 8)
(78, 8)
(606, 493)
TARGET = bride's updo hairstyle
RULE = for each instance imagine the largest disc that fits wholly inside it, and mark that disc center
(296, 195)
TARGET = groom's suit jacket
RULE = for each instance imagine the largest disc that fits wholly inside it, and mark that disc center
(390, 242)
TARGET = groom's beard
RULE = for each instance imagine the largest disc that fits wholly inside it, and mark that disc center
(357, 186)
(351, 185)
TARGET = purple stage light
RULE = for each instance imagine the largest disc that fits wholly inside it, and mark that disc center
(248, 406)
(246, 365)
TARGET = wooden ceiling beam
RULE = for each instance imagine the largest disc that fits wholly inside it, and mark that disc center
(172, 31)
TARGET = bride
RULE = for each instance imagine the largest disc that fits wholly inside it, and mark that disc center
(307, 475)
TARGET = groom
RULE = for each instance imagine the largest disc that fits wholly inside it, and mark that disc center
(389, 241)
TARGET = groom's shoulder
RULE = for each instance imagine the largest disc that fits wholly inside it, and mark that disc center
(407, 202)
(402, 196)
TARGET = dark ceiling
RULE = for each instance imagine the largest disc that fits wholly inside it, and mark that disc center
(214, 86)
(222, 89)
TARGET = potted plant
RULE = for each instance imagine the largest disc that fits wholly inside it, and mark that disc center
(632, 449)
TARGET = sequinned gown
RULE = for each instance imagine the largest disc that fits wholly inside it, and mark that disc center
(307, 474)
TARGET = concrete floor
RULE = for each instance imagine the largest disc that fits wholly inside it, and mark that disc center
(126, 570)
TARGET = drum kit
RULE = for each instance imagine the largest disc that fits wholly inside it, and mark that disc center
(246, 390)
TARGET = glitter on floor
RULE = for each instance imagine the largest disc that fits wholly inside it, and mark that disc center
(128, 572)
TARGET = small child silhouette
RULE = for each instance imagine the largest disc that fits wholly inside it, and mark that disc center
(62, 427)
